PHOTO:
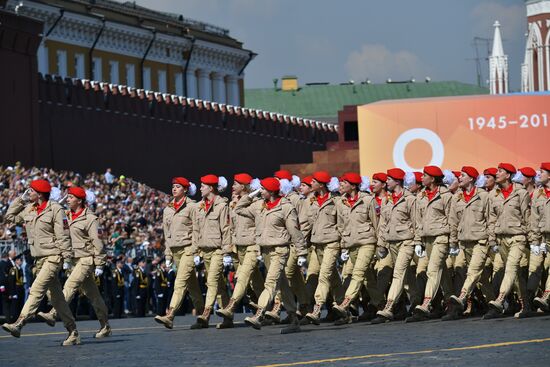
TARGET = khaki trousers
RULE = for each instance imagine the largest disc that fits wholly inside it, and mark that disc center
(186, 280)
(247, 272)
(47, 269)
(437, 249)
(312, 276)
(536, 266)
(276, 278)
(475, 254)
(215, 280)
(361, 258)
(328, 275)
(295, 278)
(384, 272)
(402, 253)
(511, 249)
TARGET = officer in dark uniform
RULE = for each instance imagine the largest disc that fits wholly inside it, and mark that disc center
(140, 287)
(161, 289)
(118, 289)
(16, 289)
(170, 278)
(6, 263)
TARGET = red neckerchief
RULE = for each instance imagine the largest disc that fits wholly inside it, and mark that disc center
(208, 204)
(272, 204)
(431, 194)
(395, 197)
(353, 200)
(468, 195)
(378, 200)
(322, 198)
(508, 191)
(40, 208)
(547, 192)
(75, 215)
(177, 204)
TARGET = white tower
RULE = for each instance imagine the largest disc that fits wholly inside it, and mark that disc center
(498, 65)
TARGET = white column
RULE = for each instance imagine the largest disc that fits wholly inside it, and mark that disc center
(191, 83)
(205, 85)
(218, 90)
(233, 97)
(43, 66)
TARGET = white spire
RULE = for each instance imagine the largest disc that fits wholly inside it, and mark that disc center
(498, 65)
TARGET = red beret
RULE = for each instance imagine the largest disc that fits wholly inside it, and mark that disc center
(181, 181)
(433, 171)
(396, 173)
(545, 166)
(243, 178)
(41, 186)
(352, 178)
(457, 174)
(528, 172)
(507, 167)
(470, 171)
(307, 180)
(282, 174)
(78, 192)
(418, 177)
(270, 184)
(209, 180)
(321, 177)
(380, 176)
(490, 171)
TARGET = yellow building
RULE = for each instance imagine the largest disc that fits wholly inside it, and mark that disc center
(123, 43)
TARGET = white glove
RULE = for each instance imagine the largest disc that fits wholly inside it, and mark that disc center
(495, 249)
(25, 195)
(138, 297)
(197, 260)
(160, 295)
(381, 252)
(14, 296)
(418, 250)
(254, 193)
(260, 258)
(301, 261)
(535, 250)
(543, 248)
(2, 289)
(169, 263)
(98, 271)
(227, 261)
(344, 256)
(454, 251)
(67, 265)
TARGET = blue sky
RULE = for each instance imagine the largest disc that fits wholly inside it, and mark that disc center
(335, 41)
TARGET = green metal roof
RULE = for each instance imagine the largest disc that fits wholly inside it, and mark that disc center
(324, 101)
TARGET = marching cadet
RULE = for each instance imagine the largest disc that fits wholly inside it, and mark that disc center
(277, 230)
(540, 221)
(244, 238)
(161, 288)
(325, 238)
(359, 242)
(396, 231)
(177, 223)
(50, 243)
(509, 229)
(15, 289)
(140, 288)
(432, 234)
(213, 236)
(469, 221)
(118, 289)
(89, 258)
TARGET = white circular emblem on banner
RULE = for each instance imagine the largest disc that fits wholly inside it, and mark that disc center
(430, 137)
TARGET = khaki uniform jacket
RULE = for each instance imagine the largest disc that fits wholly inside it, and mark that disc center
(397, 222)
(540, 216)
(360, 221)
(303, 215)
(178, 225)
(511, 216)
(211, 228)
(325, 227)
(279, 227)
(432, 216)
(469, 221)
(294, 199)
(47, 232)
(243, 223)
(85, 237)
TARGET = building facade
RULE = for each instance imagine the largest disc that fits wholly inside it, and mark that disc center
(125, 44)
(535, 69)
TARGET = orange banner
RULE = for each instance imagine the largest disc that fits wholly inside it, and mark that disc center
(454, 131)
